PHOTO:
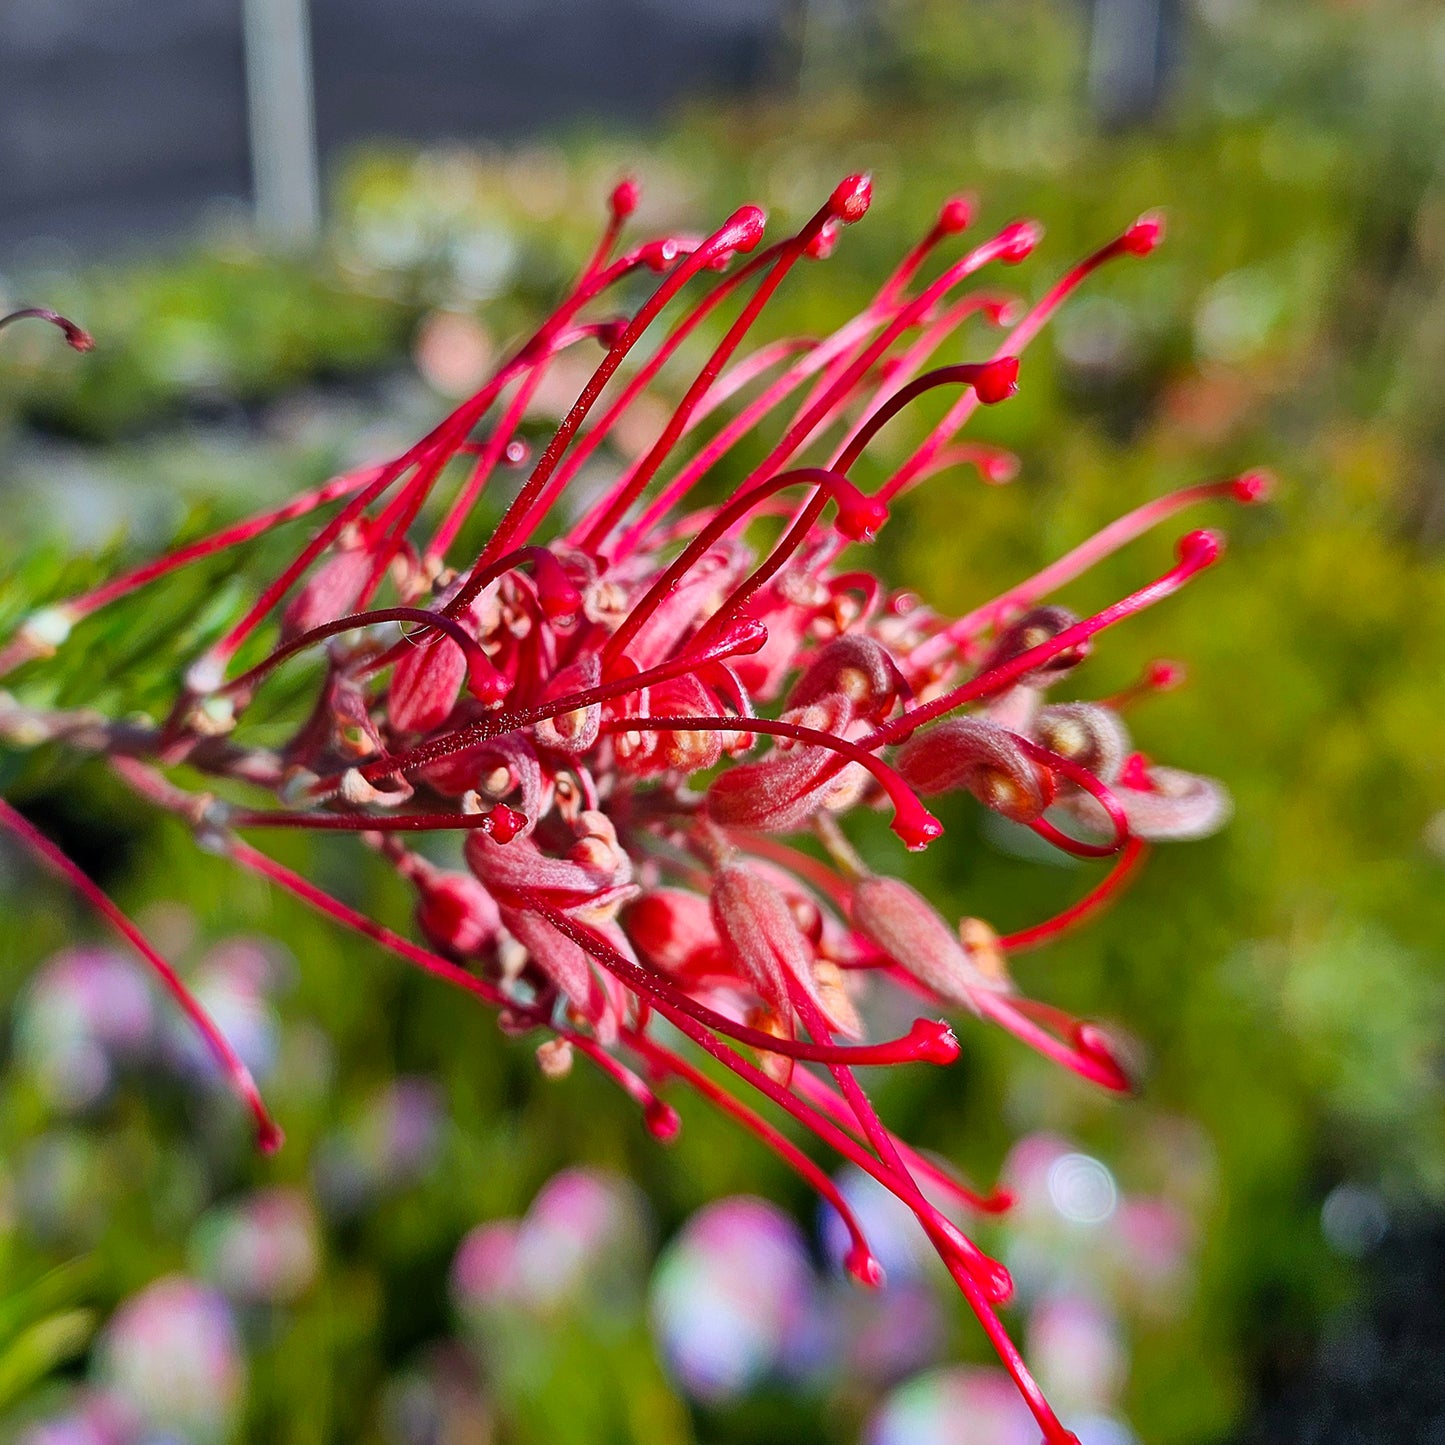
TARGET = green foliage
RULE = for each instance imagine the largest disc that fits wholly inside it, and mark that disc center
(41, 1328)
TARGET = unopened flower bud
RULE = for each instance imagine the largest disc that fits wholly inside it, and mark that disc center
(760, 932)
(1033, 629)
(597, 848)
(1092, 736)
(784, 791)
(685, 750)
(967, 752)
(425, 685)
(330, 592)
(673, 931)
(859, 668)
(456, 914)
(558, 958)
(575, 730)
(904, 925)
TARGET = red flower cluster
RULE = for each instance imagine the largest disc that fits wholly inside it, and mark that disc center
(579, 697)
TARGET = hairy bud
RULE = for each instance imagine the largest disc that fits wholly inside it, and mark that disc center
(575, 730)
(784, 791)
(425, 685)
(563, 962)
(904, 926)
(1033, 629)
(673, 931)
(760, 931)
(330, 592)
(967, 752)
(859, 668)
(684, 750)
(1092, 736)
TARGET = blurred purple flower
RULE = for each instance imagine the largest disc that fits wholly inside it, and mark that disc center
(733, 1297)
(171, 1356)
(958, 1405)
(436, 1401)
(392, 1144)
(88, 1013)
(261, 1249)
(584, 1240)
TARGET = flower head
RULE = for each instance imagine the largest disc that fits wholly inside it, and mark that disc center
(630, 708)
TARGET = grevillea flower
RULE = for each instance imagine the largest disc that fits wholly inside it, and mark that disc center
(632, 712)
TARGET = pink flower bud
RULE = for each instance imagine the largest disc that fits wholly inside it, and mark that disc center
(556, 591)
(1172, 806)
(519, 865)
(684, 750)
(1033, 629)
(904, 926)
(330, 592)
(784, 791)
(1086, 733)
(859, 668)
(673, 931)
(760, 932)
(425, 685)
(564, 963)
(967, 752)
(575, 730)
(457, 915)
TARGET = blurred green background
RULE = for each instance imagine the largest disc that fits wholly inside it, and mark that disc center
(1284, 977)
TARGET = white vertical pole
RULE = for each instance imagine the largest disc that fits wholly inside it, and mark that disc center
(284, 168)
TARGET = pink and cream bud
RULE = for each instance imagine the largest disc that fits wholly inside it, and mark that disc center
(1086, 733)
(1035, 628)
(857, 667)
(967, 752)
(904, 926)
